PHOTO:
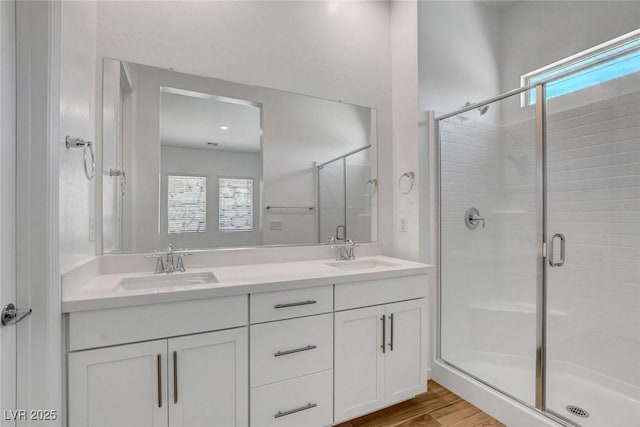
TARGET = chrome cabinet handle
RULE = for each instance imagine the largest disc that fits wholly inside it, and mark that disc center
(552, 261)
(384, 333)
(295, 304)
(295, 350)
(391, 341)
(175, 377)
(293, 411)
(159, 359)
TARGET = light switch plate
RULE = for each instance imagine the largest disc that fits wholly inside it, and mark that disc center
(275, 225)
(403, 224)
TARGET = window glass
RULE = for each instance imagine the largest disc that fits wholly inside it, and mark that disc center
(623, 60)
(236, 204)
(187, 198)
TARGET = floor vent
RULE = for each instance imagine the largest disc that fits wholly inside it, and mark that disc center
(577, 411)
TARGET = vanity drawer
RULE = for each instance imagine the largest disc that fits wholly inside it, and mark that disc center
(291, 348)
(380, 291)
(278, 305)
(305, 401)
(100, 328)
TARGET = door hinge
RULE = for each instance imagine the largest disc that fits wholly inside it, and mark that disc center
(544, 249)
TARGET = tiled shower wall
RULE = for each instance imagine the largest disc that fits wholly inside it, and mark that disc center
(593, 198)
(472, 176)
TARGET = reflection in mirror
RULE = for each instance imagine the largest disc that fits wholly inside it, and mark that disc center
(205, 163)
(210, 164)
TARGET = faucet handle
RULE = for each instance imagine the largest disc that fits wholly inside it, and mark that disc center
(159, 263)
(350, 246)
(180, 261)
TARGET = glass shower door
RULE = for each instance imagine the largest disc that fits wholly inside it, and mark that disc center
(489, 240)
(593, 291)
(331, 201)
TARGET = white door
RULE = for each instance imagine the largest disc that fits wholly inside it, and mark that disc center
(121, 386)
(209, 379)
(405, 372)
(359, 362)
(7, 208)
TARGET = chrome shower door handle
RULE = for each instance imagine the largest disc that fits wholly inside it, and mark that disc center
(552, 261)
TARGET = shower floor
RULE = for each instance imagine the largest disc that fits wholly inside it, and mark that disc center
(567, 384)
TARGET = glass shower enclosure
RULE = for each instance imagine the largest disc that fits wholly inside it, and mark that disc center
(539, 287)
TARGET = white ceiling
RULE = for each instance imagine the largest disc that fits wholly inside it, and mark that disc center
(191, 119)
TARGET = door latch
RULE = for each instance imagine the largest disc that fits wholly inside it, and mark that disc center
(12, 315)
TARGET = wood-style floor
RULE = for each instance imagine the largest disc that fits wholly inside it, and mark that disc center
(438, 407)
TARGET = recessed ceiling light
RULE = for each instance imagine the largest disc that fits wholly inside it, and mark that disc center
(224, 127)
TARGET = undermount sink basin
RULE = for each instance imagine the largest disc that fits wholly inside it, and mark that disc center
(366, 264)
(168, 280)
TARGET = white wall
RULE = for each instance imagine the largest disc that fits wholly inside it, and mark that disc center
(8, 197)
(404, 78)
(330, 50)
(77, 118)
(459, 52)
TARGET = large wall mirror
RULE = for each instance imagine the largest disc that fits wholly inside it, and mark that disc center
(205, 163)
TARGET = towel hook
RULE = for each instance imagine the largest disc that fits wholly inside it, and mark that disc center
(87, 149)
(409, 175)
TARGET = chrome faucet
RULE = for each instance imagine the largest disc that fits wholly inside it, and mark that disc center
(346, 251)
(172, 264)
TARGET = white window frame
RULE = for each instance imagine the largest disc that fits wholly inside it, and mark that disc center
(525, 79)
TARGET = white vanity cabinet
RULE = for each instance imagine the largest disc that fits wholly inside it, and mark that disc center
(188, 381)
(292, 358)
(288, 354)
(119, 386)
(187, 378)
(208, 379)
(380, 351)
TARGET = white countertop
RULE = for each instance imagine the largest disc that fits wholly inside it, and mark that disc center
(103, 292)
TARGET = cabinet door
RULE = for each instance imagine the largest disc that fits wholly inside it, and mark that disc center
(405, 367)
(123, 386)
(359, 362)
(209, 379)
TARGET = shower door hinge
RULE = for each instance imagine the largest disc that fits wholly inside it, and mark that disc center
(544, 249)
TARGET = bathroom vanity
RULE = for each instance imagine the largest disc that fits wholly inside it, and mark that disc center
(306, 343)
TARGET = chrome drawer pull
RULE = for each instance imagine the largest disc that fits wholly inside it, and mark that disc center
(295, 350)
(293, 411)
(384, 333)
(295, 304)
(159, 362)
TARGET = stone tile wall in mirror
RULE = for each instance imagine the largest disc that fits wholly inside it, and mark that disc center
(204, 163)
